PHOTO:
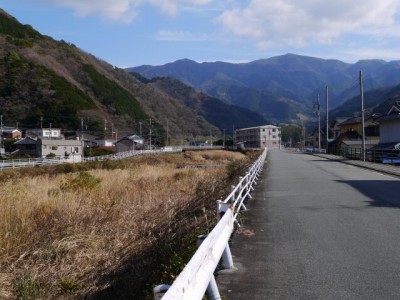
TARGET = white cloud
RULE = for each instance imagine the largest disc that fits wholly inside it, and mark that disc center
(124, 10)
(305, 22)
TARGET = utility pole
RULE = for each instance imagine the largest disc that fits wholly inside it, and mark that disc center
(41, 122)
(362, 115)
(1, 133)
(317, 107)
(167, 133)
(224, 140)
(150, 136)
(82, 141)
(140, 129)
(327, 119)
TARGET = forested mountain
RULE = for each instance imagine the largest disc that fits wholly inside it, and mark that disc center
(281, 88)
(215, 111)
(377, 101)
(44, 81)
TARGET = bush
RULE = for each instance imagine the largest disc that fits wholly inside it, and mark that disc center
(83, 181)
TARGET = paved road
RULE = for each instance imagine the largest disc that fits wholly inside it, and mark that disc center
(322, 230)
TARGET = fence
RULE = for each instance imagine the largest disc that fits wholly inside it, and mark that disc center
(20, 163)
(391, 156)
(198, 275)
(32, 162)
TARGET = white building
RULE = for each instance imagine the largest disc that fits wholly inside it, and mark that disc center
(267, 136)
(51, 133)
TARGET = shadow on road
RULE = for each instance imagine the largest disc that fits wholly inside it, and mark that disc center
(383, 193)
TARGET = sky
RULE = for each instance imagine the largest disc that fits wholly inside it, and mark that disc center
(129, 33)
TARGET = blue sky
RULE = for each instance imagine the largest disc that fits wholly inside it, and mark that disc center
(129, 33)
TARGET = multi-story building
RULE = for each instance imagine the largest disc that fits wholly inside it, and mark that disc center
(267, 136)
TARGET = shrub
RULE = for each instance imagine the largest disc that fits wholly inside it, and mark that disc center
(83, 181)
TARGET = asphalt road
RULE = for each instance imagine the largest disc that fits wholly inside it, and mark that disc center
(322, 230)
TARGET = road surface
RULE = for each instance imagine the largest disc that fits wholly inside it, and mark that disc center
(322, 230)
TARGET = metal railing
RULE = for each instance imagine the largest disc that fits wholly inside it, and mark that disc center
(197, 277)
(32, 162)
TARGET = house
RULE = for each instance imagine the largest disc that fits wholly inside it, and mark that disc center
(11, 133)
(25, 147)
(53, 133)
(389, 124)
(59, 148)
(88, 139)
(106, 143)
(267, 136)
(351, 139)
(130, 142)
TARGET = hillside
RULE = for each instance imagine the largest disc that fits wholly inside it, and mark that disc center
(54, 83)
(375, 101)
(282, 87)
(215, 111)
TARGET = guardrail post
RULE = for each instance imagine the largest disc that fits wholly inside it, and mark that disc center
(226, 255)
(248, 186)
(241, 192)
(221, 209)
(212, 288)
(159, 291)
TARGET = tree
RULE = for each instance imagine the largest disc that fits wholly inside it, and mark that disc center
(292, 135)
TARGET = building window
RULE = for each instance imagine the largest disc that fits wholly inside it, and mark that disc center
(75, 149)
(54, 147)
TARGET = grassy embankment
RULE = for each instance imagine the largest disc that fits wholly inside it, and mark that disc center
(106, 230)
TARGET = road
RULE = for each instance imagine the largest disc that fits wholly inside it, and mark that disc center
(322, 230)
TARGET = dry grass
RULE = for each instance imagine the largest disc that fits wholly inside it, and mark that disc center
(91, 233)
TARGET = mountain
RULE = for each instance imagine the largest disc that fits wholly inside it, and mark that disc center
(215, 111)
(54, 83)
(281, 88)
(377, 101)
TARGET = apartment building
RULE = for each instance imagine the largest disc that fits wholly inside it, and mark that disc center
(267, 136)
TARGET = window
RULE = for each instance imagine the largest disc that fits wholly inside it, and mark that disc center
(74, 149)
(54, 147)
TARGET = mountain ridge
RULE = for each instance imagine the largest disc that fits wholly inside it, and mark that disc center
(291, 81)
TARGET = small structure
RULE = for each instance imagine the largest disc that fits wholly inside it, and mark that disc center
(267, 136)
(129, 143)
(59, 148)
(388, 149)
(106, 143)
(11, 133)
(350, 138)
(51, 133)
(25, 147)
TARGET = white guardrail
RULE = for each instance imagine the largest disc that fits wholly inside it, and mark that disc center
(197, 277)
(21, 163)
(32, 162)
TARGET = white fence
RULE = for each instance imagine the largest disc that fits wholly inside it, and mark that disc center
(21, 163)
(198, 275)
